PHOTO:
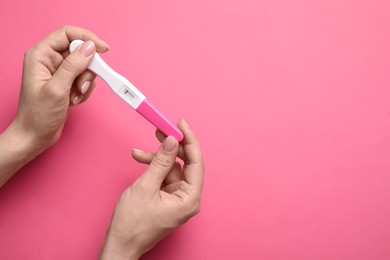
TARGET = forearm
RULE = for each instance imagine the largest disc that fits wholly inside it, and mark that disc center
(16, 150)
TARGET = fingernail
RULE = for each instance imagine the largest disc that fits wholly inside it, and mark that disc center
(185, 123)
(137, 150)
(108, 47)
(76, 99)
(87, 48)
(85, 86)
(169, 144)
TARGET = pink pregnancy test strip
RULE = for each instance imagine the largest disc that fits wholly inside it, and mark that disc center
(130, 94)
(151, 113)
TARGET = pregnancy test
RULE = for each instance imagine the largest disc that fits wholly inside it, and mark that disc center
(130, 94)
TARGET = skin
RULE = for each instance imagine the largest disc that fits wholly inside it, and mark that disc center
(53, 80)
(164, 197)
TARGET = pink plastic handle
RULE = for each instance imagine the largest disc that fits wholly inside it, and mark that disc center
(155, 117)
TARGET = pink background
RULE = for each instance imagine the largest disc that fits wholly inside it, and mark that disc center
(291, 102)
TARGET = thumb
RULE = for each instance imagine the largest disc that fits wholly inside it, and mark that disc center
(162, 162)
(71, 67)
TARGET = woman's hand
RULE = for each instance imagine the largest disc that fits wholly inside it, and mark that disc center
(164, 197)
(53, 79)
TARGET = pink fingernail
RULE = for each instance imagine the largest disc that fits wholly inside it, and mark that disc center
(85, 86)
(185, 123)
(169, 144)
(137, 150)
(108, 47)
(87, 48)
(76, 100)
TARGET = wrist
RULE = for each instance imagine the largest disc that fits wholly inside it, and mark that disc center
(16, 149)
(117, 248)
(22, 141)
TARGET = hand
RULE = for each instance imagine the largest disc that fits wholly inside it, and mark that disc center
(161, 199)
(53, 80)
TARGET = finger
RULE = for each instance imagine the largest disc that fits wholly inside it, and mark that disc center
(51, 61)
(175, 175)
(75, 98)
(65, 53)
(161, 163)
(42, 54)
(89, 92)
(142, 156)
(161, 137)
(172, 187)
(70, 68)
(60, 39)
(81, 98)
(194, 164)
(84, 81)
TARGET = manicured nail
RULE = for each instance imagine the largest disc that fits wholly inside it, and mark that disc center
(77, 99)
(137, 150)
(87, 48)
(169, 144)
(184, 123)
(85, 87)
(107, 46)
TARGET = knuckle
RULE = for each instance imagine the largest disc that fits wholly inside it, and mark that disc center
(71, 65)
(195, 207)
(33, 53)
(140, 189)
(182, 184)
(196, 204)
(192, 207)
(28, 53)
(141, 186)
(161, 161)
(67, 66)
(65, 27)
(53, 95)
